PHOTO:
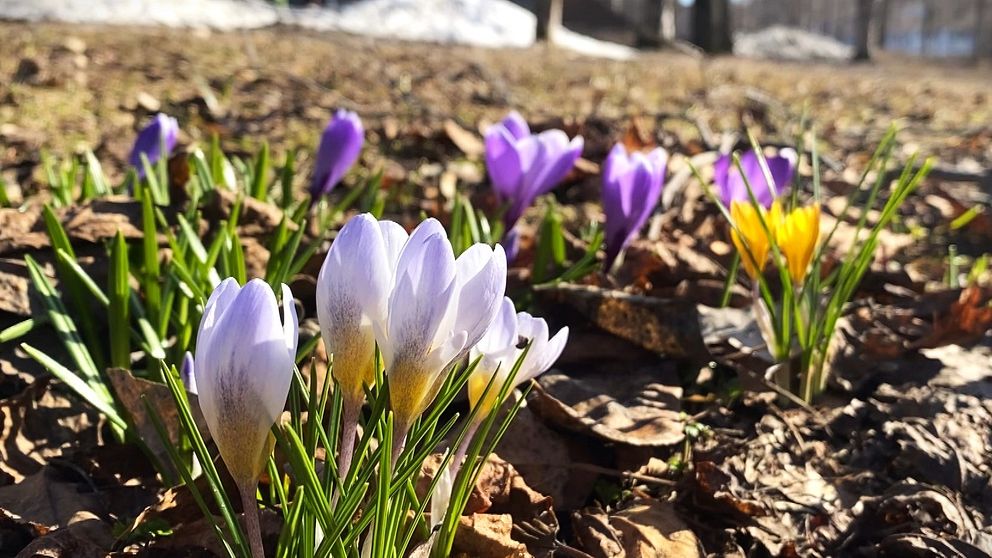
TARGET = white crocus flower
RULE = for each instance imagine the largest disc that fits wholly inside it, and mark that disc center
(243, 368)
(352, 290)
(501, 347)
(438, 308)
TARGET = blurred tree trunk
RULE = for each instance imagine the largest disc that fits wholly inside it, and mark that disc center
(794, 13)
(926, 27)
(862, 29)
(881, 24)
(548, 18)
(658, 23)
(711, 25)
(980, 46)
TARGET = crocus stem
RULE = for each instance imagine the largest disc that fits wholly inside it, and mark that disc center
(250, 506)
(399, 441)
(349, 429)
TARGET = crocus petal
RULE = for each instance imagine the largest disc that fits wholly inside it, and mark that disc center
(481, 284)
(511, 243)
(523, 166)
(516, 125)
(441, 496)
(352, 289)
(244, 377)
(797, 235)
(424, 287)
(217, 303)
(751, 167)
(783, 168)
(394, 237)
(502, 333)
(549, 353)
(732, 186)
(556, 159)
(647, 183)
(631, 188)
(721, 179)
(186, 372)
(340, 145)
(290, 322)
(498, 359)
(503, 162)
(749, 236)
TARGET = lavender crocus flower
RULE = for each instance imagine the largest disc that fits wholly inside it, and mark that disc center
(631, 187)
(155, 141)
(731, 186)
(522, 166)
(340, 145)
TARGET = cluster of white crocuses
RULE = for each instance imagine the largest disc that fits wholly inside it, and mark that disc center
(407, 295)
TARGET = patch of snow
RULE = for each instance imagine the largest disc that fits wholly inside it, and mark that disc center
(485, 23)
(787, 43)
(223, 15)
(589, 46)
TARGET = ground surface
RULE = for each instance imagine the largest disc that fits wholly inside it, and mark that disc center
(892, 462)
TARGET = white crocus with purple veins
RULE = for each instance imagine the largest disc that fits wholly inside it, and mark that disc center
(243, 366)
(438, 308)
(352, 291)
(501, 347)
(497, 353)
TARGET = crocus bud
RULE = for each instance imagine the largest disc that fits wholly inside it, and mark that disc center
(501, 347)
(797, 234)
(438, 308)
(523, 166)
(340, 145)
(631, 188)
(732, 187)
(186, 373)
(352, 290)
(243, 368)
(155, 141)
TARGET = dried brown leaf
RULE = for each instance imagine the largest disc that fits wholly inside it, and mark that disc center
(652, 529)
(41, 423)
(642, 410)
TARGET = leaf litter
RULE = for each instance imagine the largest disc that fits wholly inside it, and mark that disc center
(641, 443)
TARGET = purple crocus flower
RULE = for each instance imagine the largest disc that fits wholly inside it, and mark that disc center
(156, 140)
(631, 188)
(731, 185)
(522, 166)
(340, 145)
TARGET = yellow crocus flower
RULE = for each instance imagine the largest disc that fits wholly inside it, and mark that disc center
(797, 234)
(754, 245)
